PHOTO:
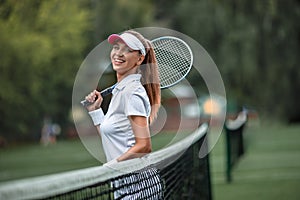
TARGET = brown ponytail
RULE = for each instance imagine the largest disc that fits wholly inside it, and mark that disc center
(150, 75)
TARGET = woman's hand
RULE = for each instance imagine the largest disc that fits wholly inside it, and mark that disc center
(96, 99)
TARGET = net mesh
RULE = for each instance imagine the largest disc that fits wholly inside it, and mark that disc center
(174, 58)
(176, 172)
(141, 184)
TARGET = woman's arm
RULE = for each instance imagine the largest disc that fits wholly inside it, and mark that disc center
(96, 99)
(141, 132)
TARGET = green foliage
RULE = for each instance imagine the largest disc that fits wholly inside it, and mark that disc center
(119, 15)
(41, 48)
(255, 45)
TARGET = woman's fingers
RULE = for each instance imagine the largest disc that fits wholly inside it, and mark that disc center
(95, 99)
(91, 97)
(98, 99)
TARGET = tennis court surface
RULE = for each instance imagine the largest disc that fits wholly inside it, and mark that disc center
(269, 169)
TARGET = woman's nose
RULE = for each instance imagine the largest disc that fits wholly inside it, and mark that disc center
(119, 52)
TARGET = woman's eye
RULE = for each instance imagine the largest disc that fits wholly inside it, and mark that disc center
(128, 50)
(123, 49)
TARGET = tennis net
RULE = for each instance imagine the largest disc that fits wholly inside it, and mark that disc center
(174, 172)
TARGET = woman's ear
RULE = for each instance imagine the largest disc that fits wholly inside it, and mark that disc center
(141, 59)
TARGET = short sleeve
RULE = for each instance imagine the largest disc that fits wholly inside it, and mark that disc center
(138, 104)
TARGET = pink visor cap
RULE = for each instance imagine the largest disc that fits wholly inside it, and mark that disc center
(130, 40)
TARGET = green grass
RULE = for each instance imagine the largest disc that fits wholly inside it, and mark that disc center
(35, 160)
(270, 169)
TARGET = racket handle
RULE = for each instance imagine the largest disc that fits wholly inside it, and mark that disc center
(103, 93)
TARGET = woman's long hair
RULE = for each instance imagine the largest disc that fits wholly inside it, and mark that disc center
(150, 75)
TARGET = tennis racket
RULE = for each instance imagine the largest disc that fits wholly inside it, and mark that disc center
(174, 58)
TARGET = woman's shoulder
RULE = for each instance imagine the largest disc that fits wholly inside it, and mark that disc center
(135, 88)
(132, 84)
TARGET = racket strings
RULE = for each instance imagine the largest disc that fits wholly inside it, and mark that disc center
(174, 60)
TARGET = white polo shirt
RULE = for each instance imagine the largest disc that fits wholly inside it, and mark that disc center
(129, 98)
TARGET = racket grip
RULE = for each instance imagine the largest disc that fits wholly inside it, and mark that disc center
(103, 93)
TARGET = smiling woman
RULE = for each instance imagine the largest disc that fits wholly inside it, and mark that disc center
(136, 98)
(135, 101)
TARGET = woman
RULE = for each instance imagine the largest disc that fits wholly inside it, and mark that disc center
(134, 105)
(135, 99)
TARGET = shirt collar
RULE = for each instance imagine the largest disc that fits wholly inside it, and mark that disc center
(125, 81)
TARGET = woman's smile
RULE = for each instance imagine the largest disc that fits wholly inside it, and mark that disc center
(118, 61)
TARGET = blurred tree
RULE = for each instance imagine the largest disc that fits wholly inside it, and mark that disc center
(254, 44)
(119, 15)
(42, 44)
